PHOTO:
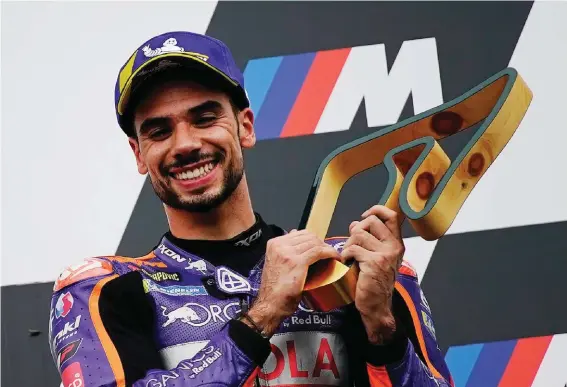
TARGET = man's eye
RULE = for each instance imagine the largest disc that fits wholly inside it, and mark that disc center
(205, 120)
(158, 132)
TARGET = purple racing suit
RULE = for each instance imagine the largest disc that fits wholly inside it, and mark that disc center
(168, 319)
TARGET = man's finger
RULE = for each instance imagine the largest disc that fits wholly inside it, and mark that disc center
(375, 227)
(299, 236)
(363, 238)
(319, 252)
(353, 224)
(360, 254)
(295, 232)
(390, 218)
(343, 258)
(305, 245)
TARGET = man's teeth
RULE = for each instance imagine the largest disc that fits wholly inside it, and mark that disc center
(195, 173)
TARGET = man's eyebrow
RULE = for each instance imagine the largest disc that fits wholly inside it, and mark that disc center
(152, 122)
(205, 106)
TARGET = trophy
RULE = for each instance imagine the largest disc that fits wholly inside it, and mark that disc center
(424, 186)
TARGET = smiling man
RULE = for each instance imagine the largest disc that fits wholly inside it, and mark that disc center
(218, 301)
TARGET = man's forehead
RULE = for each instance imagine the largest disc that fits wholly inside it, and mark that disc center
(177, 98)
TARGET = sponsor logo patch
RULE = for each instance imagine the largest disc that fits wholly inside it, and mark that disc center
(202, 360)
(191, 368)
(198, 315)
(68, 331)
(199, 265)
(250, 239)
(90, 267)
(64, 305)
(72, 376)
(67, 352)
(170, 253)
(304, 358)
(174, 290)
(138, 262)
(170, 45)
(428, 322)
(160, 276)
(231, 282)
(312, 319)
(424, 301)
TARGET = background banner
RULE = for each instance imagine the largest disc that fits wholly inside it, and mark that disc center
(71, 190)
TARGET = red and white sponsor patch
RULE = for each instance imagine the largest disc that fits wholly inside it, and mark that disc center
(306, 358)
(72, 376)
(90, 267)
(67, 352)
(408, 269)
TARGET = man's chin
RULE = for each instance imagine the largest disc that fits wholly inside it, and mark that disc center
(197, 202)
(201, 199)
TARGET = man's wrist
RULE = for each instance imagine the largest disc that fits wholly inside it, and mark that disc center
(388, 343)
(265, 319)
(380, 330)
(390, 352)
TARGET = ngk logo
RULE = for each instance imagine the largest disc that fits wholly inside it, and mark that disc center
(306, 358)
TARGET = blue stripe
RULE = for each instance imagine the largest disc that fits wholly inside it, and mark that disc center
(461, 361)
(491, 363)
(258, 76)
(282, 95)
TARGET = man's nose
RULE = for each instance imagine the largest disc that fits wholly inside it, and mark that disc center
(185, 139)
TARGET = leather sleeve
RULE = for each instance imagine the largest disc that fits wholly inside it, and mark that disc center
(101, 334)
(412, 357)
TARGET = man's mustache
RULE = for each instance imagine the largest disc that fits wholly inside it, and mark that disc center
(191, 158)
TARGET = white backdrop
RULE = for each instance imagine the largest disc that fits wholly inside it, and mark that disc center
(69, 178)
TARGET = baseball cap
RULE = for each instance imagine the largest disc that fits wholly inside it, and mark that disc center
(199, 53)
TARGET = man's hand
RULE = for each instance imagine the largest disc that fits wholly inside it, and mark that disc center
(288, 258)
(376, 244)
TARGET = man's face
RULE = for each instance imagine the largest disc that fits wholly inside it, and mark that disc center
(189, 141)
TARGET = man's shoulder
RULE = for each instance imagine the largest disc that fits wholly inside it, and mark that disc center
(99, 267)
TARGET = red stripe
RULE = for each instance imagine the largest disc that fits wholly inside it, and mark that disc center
(525, 361)
(251, 379)
(314, 94)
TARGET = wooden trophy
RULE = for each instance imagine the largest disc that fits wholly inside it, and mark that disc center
(424, 185)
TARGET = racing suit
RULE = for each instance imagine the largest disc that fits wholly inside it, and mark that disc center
(168, 319)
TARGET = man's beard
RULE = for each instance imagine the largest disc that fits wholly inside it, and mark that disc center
(203, 202)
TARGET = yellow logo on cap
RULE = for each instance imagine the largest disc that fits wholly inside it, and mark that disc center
(126, 72)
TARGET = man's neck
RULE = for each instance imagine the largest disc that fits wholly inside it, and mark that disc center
(226, 221)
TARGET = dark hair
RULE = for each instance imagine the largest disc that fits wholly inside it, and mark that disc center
(168, 70)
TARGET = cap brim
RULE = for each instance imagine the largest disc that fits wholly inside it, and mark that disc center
(189, 58)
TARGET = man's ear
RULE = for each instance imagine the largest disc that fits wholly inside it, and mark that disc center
(247, 133)
(142, 169)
